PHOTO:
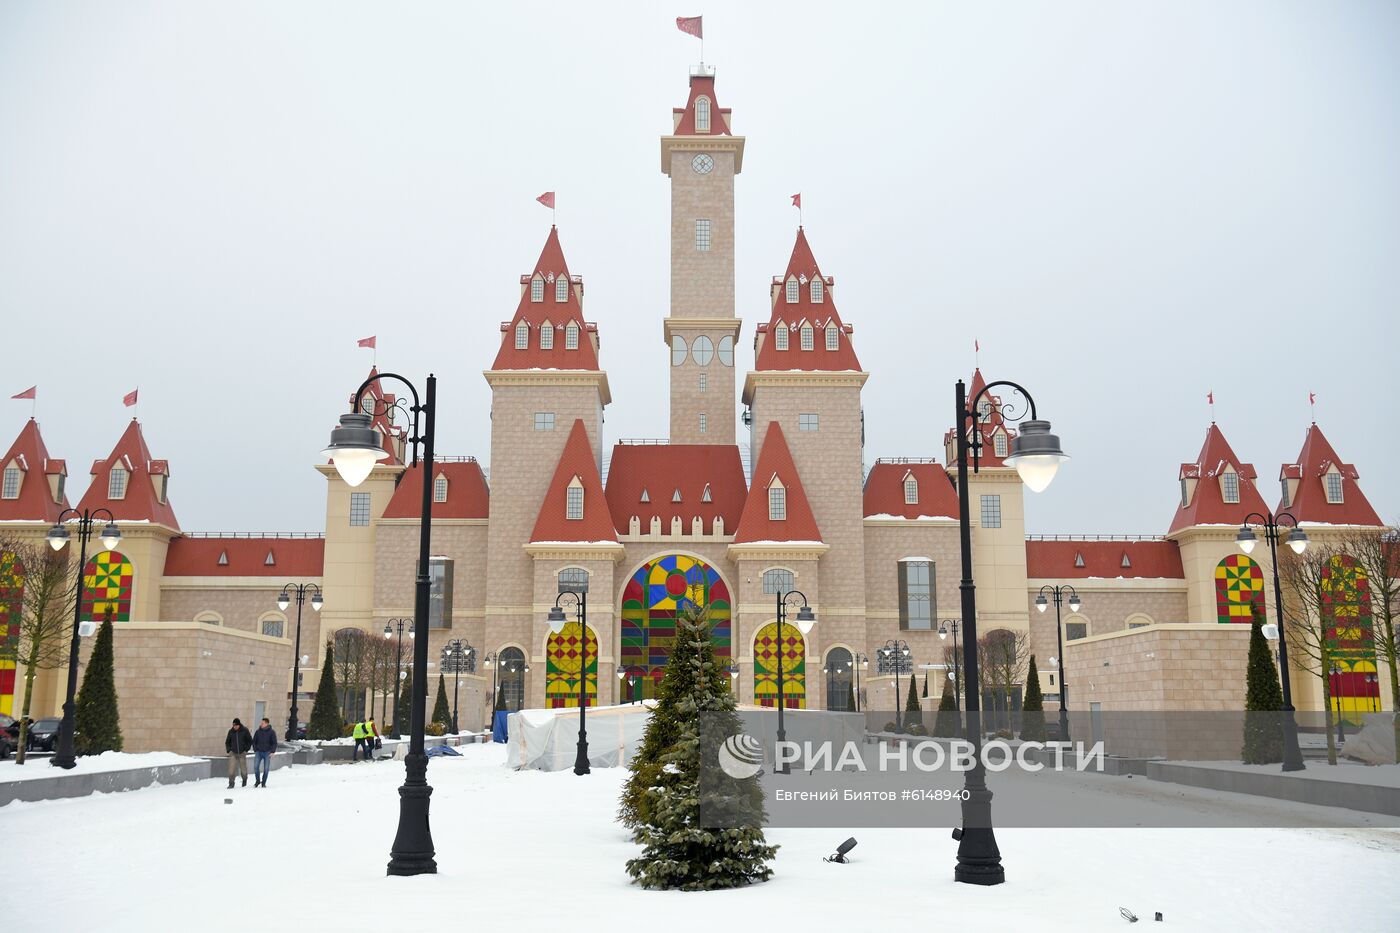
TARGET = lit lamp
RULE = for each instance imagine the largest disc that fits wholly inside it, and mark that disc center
(355, 448)
(1036, 454)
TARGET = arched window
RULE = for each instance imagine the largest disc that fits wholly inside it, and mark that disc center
(571, 336)
(546, 336)
(651, 599)
(807, 342)
(116, 483)
(818, 293)
(840, 683)
(833, 337)
(792, 290)
(768, 654)
(273, 624)
(780, 336)
(563, 653)
(107, 583)
(512, 677)
(522, 335)
(911, 490)
(777, 580)
(440, 489)
(537, 288)
(1239, 589)
(561, 288)
(208, 617)
(570, 578)
(702, 114)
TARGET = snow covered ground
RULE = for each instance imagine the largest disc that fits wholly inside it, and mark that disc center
(530, 850)
(35, 768)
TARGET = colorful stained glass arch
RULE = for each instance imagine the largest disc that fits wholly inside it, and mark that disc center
(650, 602)
(563, 661)
(107, 587)
(11, 610)
(766, 655)
(1239, 588)
(1345, 606)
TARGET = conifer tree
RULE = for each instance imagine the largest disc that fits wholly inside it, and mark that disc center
(325, 712)
(96, 721)
(405, 705)
(945, 724)
(442, 710)
(1033, 707)
(850, 696)
(925, 694)
(1263, 727)
(913, 714)
(679, 852)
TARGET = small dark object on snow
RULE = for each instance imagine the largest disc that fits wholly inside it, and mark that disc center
(839, 855)
(437, 751)
(1127, 915)
(1157, 916)
(228, 800)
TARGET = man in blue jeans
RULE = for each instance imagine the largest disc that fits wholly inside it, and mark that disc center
(264, 744)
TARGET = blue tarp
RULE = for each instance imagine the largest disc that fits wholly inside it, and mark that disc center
(499, 732)
(437, 751)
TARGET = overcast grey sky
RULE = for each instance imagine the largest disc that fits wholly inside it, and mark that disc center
(1128, 204)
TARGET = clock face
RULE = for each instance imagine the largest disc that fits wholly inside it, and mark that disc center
(702, 163)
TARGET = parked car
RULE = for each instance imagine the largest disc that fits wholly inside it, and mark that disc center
(43, 734)
(9, 735)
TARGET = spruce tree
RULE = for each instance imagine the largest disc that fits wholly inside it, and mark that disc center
(913, 714)
(1263, 728)
(405, 705)
(945, 724)
(850, 696)
(96, 720)
(1033, 708)
(442, 710)
(679, 852)
(925, 694)
(325, 722)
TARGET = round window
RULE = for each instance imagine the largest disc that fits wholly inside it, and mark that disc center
(726, 351)
(677, 350)
(703, 351)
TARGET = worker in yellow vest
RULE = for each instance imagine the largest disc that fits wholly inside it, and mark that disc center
(360, 733)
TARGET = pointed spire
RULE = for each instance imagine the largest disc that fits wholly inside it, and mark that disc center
(578, 469)
(776, 468)
(573, 343)
(143, 497)
(1205, 477)
(702, 115)
(812, 307)
(380, 406)
(1307, 482)
(39, 495)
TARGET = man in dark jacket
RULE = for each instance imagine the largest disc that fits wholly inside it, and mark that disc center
(237, 743)
(264, 744)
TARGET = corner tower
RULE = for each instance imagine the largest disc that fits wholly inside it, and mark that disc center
(702, 156)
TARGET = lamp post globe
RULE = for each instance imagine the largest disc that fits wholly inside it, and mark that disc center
(1036, 454)
(355, 447)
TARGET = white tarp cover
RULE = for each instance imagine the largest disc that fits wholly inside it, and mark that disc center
(547, 739)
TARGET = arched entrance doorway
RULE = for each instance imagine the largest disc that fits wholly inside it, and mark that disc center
(652, 599)
(563, 657)
(840, 688)
(792, 654)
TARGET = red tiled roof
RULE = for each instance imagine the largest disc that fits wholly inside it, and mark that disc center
(35, 502)
(754, 523)
(381, 409)
(1208, 505)
(467, 493)
(246, 557)
(702, 85)
(596, 524)
(1051, 560)
(792, 316)
(1310, 498)
(140, 503)
(884, 491)
(558, 314)
(994, 424)
(664, 469)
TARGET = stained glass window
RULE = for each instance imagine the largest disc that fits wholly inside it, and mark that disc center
(1348, 627)
(767, 654)
(107, 587)
(564, 655)
(650, 603)
(11, 606)
(1239, 588)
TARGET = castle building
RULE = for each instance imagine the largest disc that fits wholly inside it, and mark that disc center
(652, 525)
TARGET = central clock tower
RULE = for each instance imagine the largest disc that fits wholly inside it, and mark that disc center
(702, 156)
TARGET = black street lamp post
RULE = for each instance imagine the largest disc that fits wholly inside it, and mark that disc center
(577, 593)
(858, 661)
(895, 659)
(944, 627)
(492, 660)
(459, 654)
(389, 628)
(298, 592)
(805, 620)
(1298, 540)
(1041, 604)
(65, 755)
(355, 447)
(1036, 455)
(1337, 695)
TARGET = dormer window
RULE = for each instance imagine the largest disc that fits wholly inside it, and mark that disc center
(999, 443)
(780, 336)
(676, 496)
(1230, 487)
(573, 501)
(705, 496)
(537, 288)
(833, 337)
(1284, 483)
(522, 335)
(1332, 482)
(1185, 494)
(777, 501)
(440, 489)
(116, 483)
(911, 490)
(807, 343)
(1126, 562)
(162, 482)
(561, 288)
(984, 410)
(546, 336)
(270, 560)
(9, 489)
(818, 293)
(1078, 560)
(702, 114)
(792, 290)
(646, 496)
(571, 336)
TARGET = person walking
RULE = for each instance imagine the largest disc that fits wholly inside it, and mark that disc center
(359, 734)
(371, 738)
(236, 744)
(264, 744)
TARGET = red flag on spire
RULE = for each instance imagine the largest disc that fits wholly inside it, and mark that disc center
(691, 26)
(1312, 397)
(1210, 398)
(547, 199)
(367, 342)
(976, 346)
(129, 398)
(797, 200)
(30, 393)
